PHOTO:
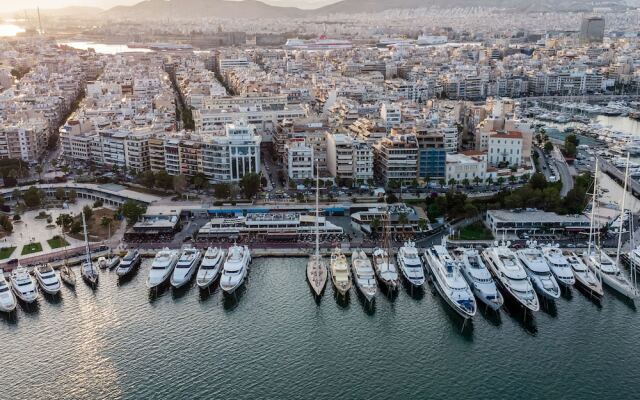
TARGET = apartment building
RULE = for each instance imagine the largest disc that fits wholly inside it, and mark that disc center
(396, 157)
(300, 160)
(505, 149)
(349, 158)
(470, 166)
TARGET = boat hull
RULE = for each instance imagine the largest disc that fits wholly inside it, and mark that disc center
(593, 289)
(450, 302)
(625, 288)
(317, 275)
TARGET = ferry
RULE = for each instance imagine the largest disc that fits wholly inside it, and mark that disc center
(323, 43)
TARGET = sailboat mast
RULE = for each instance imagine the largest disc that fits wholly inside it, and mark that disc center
(624, 197)
(317, 211)
(593, 208)
(86, 239)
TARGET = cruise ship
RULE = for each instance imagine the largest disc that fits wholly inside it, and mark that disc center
(539, 272)
(363, 274)
(510, 275)
(478, 277)
(162, 267)
(340, 272)
(321, 44)
(410, 264)
(429, 40)
(235, 268)
(449, 281)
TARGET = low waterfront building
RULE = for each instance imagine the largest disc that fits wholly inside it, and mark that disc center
(399, 218)
(469, 165)
(534, 221)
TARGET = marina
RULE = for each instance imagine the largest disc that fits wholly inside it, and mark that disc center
(107, 334)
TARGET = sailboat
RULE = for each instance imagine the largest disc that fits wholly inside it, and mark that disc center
(88, 270)
(383, 265)
(609, 271)
(66, 273)
(316, 267)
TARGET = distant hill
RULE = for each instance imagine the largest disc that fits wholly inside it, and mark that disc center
(153, 9)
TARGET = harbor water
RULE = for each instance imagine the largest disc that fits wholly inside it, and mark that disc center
(274, 341)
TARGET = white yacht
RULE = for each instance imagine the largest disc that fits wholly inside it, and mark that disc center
(129, 262)
(539, 272)
(162, 267)
(23, 285)
(559, 266)
(7, 298)
(186, 267)
(48, 279)
(363, 274)
(410, 264)
(478, 277)
(385, 269)
(584, 275)
(210, 267)
(340, 272)
(610, 273)
(235, 269)
(449, 281)
(510, 275)
(316, 267)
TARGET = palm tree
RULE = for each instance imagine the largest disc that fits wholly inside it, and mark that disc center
(501, 181)
(465, 182)
(452, 182)
(489, 180)
(512, 179)
(39, 171)
(403, 220)
(477, 180)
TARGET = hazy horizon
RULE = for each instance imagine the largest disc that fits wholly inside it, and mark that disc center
(105, 4)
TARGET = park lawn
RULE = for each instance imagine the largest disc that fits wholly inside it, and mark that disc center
(31, 248)
(475, 231)
(6, 252)
(57, 242)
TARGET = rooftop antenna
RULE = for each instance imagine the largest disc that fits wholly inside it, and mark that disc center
(39, 21)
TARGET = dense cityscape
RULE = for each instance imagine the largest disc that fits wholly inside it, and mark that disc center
(478, 159)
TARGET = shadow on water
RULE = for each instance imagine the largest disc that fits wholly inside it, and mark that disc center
(389, 294)
(523, 316)
(416, 293)
(178, 293)
(10, 318)
(368, 306)
(459, 324)
(595, 300)
(126, 279)
(548, 307)
(207, 293)
(29, 308)
(624, 299)
(53, 299)
(566, 293)
(231, 301)
(342, 300)
(157, 292)
(492, 316)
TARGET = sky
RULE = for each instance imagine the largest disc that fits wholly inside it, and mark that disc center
(17, 5)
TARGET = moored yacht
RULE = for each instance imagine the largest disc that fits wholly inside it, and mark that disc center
(340, 272)
(129, 262)
(23, 285)
(88, 270)
(385, 269)
(510, 275)
(7, 298)
(67, 275)
(559, 265)
(162, 267)
(316, 268)
(478, 277)
(363, 274)
(410, 264)
(235, 269)
(585, 277)
(449, 281)
(539, 273)
(186, 267)
(210, 267)
(610, 273)
(48, 279)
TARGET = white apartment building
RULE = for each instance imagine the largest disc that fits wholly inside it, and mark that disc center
(230, 157)
(391, 114)
(300, 160)
(24, 140)
(348, 158)
(467, 165)
(505, 148)
(212, 120)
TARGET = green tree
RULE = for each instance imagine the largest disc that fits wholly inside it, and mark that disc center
(489, 180)
(222, 190)
(6, 224)
(179, 183)
(72, 195)
(39, 171)
(76, 227)
(538, 181)
(64, 221)
(548, 147)
(60, 194)
(88, 212)
(164, 180)
(147, 179)
(200, 181)
(477, 180)
(392, 198)
(512, 179)
(250, 184)
(500, 180)
(452, 182)
(32, 197)
(132, 211)
(465, 182)
(375, 225)
(105, 221)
